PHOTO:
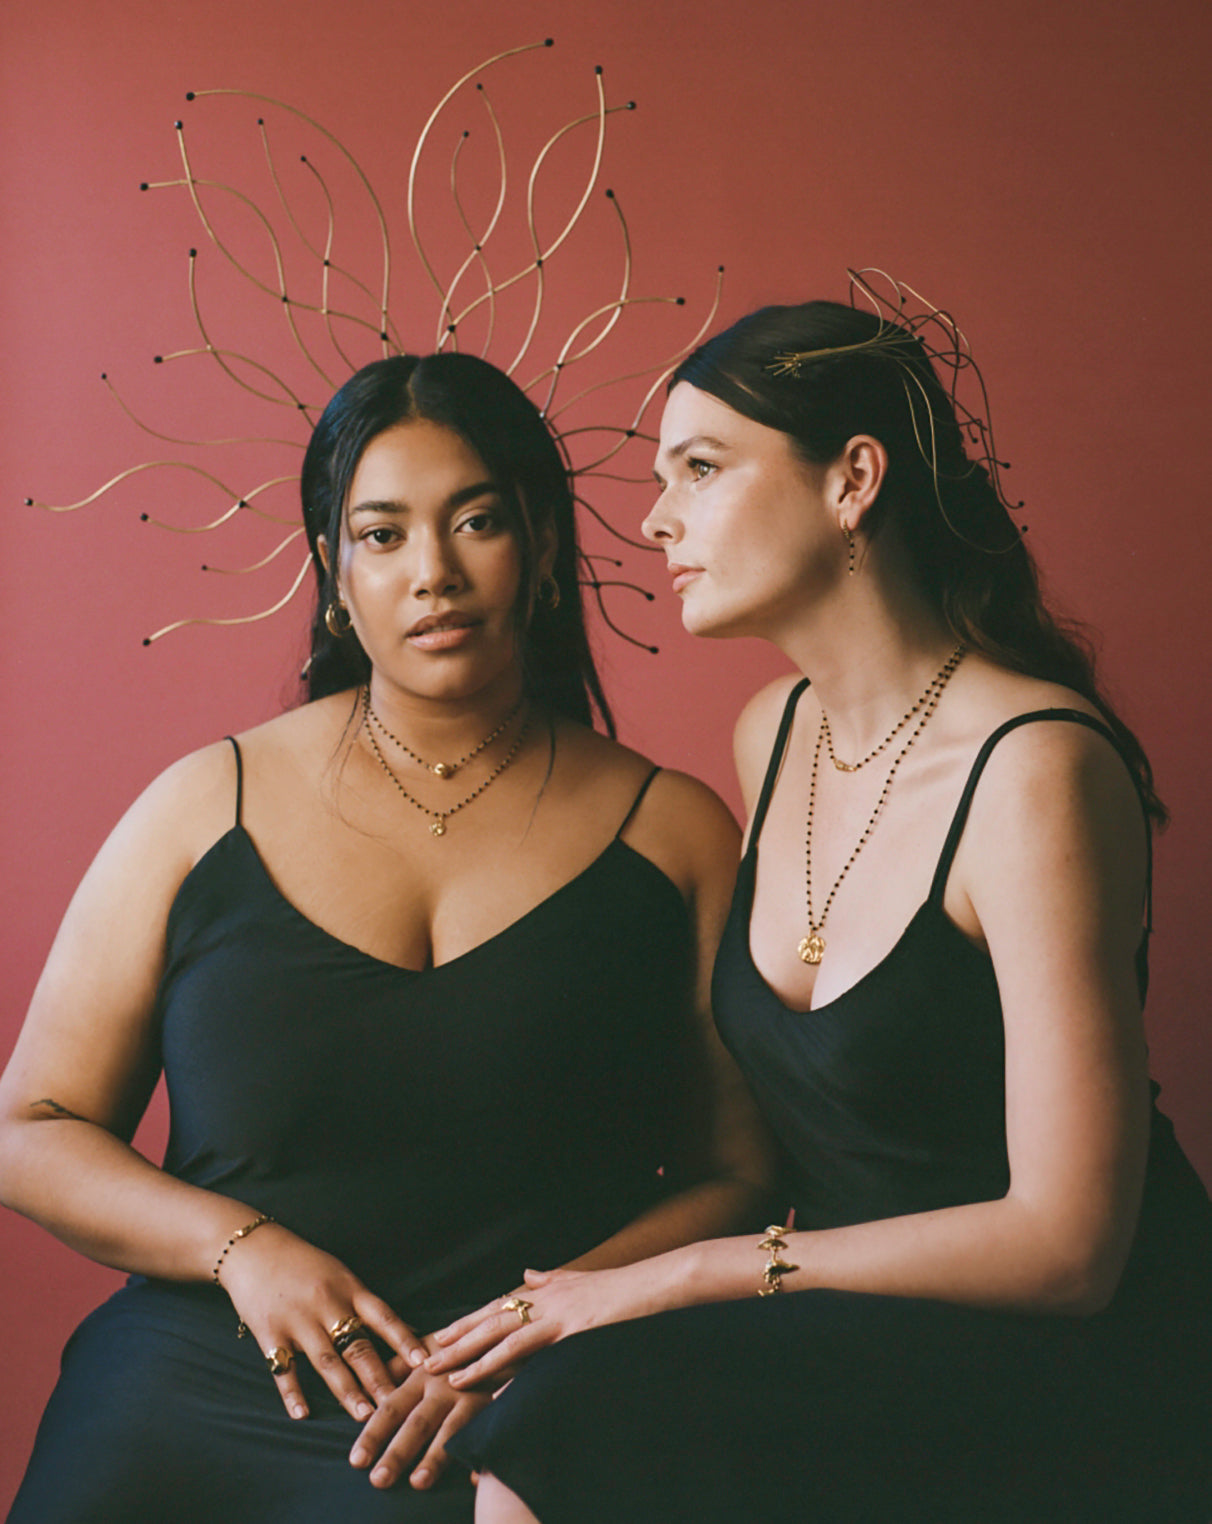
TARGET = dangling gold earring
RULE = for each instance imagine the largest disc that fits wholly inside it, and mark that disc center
(549, 591)
(849, 533)
(333, 619)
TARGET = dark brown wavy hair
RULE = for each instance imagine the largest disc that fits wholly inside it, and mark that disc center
(856, 372)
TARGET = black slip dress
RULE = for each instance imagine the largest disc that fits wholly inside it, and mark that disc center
(860, 1409)
(438, 1130)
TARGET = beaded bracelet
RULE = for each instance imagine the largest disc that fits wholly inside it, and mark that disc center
(249, 1227)
(775, 1268)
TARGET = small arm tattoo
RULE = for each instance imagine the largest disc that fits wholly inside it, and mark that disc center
(55, 1112)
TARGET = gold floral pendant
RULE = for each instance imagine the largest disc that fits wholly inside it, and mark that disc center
(439, 826)
(812, 949)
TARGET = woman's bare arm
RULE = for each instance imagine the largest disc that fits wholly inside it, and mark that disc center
(1051, 869)
(80, 1077)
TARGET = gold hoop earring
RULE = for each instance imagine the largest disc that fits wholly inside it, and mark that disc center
(333, 619)
(549, 591)
(849, 534)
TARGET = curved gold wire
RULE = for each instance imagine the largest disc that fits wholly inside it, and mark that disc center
(612, 310)
(221, 356)
(122, 476)
(488, 63)
(243, 571)
(181, 624)
(237, 439)
(328, 265)
(666, 367)
(245, 503)
(447, 327)
(385, 241)
(287, 302)
(537, 265)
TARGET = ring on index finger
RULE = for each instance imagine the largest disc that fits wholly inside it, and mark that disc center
(279, 1360)
(519, 1305)
(346, 1332)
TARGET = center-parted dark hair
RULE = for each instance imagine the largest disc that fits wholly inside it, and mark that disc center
(859, 373)
(499, 422)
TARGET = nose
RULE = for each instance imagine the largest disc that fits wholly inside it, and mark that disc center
(436, 572)
(660, 524)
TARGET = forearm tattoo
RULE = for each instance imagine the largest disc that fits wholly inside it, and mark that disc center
(52, 1111)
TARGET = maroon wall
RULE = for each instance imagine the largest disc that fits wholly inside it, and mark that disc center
(1038, 168)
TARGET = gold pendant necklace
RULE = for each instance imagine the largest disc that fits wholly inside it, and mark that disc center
(811, 949)
(442, 769)
(439, 818)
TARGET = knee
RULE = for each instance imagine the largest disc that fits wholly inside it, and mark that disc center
(495, 1504)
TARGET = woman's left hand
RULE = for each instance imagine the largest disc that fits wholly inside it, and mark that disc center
(495, 1339)
(420, 1415)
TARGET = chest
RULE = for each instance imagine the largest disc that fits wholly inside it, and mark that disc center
(850, 861)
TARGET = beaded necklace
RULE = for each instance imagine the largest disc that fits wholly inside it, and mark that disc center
(440, 817)
(811, 948)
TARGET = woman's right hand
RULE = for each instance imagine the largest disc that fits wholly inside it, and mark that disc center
(292, 1297)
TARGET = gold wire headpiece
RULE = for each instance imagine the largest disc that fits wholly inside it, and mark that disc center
(330, 309)
(908, 326)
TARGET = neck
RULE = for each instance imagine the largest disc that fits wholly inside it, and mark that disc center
(445, 725)
(870, 650)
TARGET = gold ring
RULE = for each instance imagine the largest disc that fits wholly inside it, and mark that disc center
(519, 1305)
(346, 1332)
(279, 1361)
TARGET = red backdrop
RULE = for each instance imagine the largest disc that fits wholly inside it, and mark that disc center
(1039, 171)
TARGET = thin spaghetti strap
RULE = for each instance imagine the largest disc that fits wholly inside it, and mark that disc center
(776, 758)
(1075, 716)
(636, 802)
(235, 746)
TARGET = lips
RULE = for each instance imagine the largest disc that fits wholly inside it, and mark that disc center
(682, 575)
(439, 632)
(450, 620)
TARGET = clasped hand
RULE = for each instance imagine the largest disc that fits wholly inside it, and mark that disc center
(488, 1344)
(293, 1299)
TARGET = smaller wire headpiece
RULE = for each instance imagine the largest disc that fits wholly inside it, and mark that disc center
(908, 326)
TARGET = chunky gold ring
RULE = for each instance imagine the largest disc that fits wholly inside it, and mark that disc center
(519, 1305)
(346, 1332)
(279, 1361)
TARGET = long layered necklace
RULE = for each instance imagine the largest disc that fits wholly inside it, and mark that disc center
(438, 818)
(811, 948)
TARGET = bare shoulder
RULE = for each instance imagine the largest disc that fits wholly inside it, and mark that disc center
(308, 731)
(1050, 747)
(191, 801)
(689, 832)
(185, 810)
(1056, 799)
(680, 823)
(1049, 768)
(755, 732)
(694, 811)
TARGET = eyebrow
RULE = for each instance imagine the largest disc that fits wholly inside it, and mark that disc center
(455, 501)
(696, 440)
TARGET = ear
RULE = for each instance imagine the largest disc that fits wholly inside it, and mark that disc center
(857, 476)
(322, 551)
(547, 545)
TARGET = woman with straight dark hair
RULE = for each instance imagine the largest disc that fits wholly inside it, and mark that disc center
(424, 962)
(987, 1293)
